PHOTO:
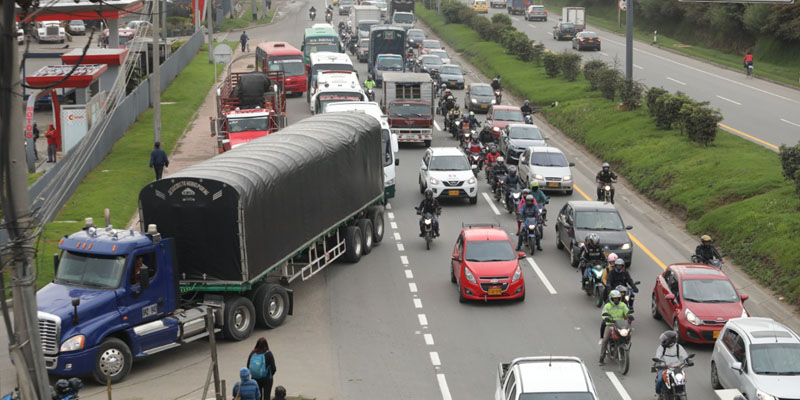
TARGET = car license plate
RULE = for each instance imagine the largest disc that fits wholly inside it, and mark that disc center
(452, 192)
(495, 291)
(715, 334)
(484, 106)
(552, 184)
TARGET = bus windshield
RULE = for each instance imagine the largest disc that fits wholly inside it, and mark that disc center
(290, 66)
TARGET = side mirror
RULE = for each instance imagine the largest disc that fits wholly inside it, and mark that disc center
(55, 264)
(572, 164)
(144, 277)
(424, 167)
(691, 355)
(396, 161)
(629, 227)
(605, 314)
(547, 138)
(744, 297)
(670, 297)
(656, 360)
(521, 254)
(737, 366)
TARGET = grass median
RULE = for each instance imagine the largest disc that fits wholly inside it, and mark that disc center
(116, 182)
(732, 190)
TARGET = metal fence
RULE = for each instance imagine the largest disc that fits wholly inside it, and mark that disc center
(52, 189)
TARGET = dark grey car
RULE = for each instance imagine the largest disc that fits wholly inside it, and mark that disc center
(479, 97)
(515, 138)
(564, 30)
(415, 37)
(577, 219)
(429, 63)
(451, 76)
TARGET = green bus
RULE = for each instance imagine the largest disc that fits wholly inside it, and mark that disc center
(320, 37)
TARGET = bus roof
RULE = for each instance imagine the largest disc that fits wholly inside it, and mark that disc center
(278, 48)
(320, 31)
(329, 57)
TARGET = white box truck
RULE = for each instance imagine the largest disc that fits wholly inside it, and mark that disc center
(576, 15)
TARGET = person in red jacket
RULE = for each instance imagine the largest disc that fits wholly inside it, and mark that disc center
(748, 62)
(52, 143)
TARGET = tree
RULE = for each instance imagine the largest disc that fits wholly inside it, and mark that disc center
(552, 65)
(591, 71)
(608, 82)
(570, 65)
(790, 161)
(652, 96)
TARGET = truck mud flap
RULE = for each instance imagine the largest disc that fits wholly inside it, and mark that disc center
(290, 292)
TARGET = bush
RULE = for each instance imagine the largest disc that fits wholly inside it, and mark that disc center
(652, 95)
(790, 161)
(501, 19)
(699, 121)
(668, 108)
(483, 27)
(552, 65)
(630, 92)
(608, 82)
(591, 71)
(570, 65)
(537, 50)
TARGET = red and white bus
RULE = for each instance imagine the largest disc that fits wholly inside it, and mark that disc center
(281, 56)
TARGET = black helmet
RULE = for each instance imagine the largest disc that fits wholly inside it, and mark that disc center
(62, 387)
(668, 338)
(428, 193)
(512, 170)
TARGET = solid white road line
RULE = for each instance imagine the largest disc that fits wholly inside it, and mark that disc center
(409, 274)
(397, 236)
(637, 67)
(435, 359)
(436, 125)
(404, 260)
(393, 224)
(423, 320)
(729, 100)
(676, 81)
(490, 202)
(790, 123)
(543, 278)
(443, 387)
(605, 54)
(400, 247)
(417, 303)
(391, 215)
(412, 287)
(428, 339)
(617, 385)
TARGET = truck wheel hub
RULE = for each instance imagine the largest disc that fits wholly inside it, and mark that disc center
(111, 362)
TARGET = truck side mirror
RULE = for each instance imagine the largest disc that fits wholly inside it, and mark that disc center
(144, 277)
(396, 161)
(55, 264)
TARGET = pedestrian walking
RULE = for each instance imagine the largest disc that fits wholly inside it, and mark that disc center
(52, 143)
(243, 39)
(35, 132)
(261, 363)
(246, 389)
(158, 160)
(280, 393)
(269, 4)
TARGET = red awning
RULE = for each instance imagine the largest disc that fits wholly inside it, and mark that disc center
(83, 76)
(95, 56)
(65, 10)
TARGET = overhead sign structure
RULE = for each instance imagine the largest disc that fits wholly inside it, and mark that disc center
(82, 77)
(740, 1)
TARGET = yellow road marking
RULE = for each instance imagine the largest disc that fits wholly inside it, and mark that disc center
(633, 238)
(734, 130)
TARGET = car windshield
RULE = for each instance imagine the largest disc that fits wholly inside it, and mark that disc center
(404, 110)
(363, 43)
(248, 124)
(567, 25)
(76, 23)
(390, 63)
(451, 71)
(90, 270)
(489, 250)
(364, 26)
(289, 67)
(346, 2)
(432, 60)
(416, 34)
(709, 291)
(598, 221)
(449, 163)
(508, 115)
(403, 18)
(433, 44)
(556, 396)
(481, 90)
(549, 160)
(775, 358)
(525, 132)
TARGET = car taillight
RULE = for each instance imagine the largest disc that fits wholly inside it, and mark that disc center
(545, 12)
(582, 39)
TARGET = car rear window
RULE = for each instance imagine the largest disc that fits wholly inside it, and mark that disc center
(489, 250)
(508, 115)
(451, 70)
(598, 221)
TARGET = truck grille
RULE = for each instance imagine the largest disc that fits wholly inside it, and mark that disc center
(50, 332)
(51, 31)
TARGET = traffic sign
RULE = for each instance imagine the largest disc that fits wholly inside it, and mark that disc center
(623, 5)
(222, 53)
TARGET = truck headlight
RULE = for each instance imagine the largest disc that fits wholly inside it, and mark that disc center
(390, 182)
(469, 276)
(517, 274)
(692, 318)
(434, 181)
(626, 246)
(74, 343)
(763, 396)
(474, 101)
(471, 181)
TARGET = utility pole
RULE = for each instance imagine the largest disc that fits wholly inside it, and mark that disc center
(209, 32)
(25, 346)
(629, 40)
(155, 79)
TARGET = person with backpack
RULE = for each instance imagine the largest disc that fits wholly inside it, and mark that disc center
(261, 363)
(246, 389)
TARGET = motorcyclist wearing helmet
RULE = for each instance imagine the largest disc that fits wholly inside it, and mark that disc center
(452, 115)
(487, 136)
(492, 155)
(526, 108)
(528, 210)
(591, 254)
(619, 275)
(605, 176)
(539, 195)
(670, 352)
(614, 310)
(429, 205)
(471, 120)
(475, 146)
(500, 169)
(449, 101)
(496, 83)
(706, 252)
(369, 83)
(511, 182)
(612, 257)
(312, 11)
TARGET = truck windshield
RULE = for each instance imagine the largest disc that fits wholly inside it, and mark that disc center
(404, 110)
(403, 18)
(390, 63)
(92, 270)
(365, 25)
(248, 124)
(337, 97)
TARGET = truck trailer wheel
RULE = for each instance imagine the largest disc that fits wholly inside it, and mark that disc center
(353, 244)
(271, 304)
(114, 359)
(367, 234)
(239, 318)
(376, 216)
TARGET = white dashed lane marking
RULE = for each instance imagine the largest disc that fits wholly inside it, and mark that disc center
(409, 274)
(397, 236)
(423, 320)
(417, 303)
(412, 287)
(435, 359)
(618, 385)
(400, 247)
(490, 202)
(404, 260)
(676, 81)
(428, 339)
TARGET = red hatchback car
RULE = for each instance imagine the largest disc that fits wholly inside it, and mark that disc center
(485, 266)
(696, 300)
(499, 116)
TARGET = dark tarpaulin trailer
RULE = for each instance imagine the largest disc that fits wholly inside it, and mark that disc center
(241, 213)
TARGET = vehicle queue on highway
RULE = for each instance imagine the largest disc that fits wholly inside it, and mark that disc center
(696, 300)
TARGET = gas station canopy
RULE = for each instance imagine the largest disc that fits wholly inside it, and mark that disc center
(65, 10)
(83, 76)
(95, 56)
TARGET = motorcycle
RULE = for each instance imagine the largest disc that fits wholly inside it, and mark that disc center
(528, 119)
(511, 200)
(498, 95)
(328, 16)
(490, 172)
(498, 186)
(370, 94)
(427, 224)
(455, 128)
(312, 15)
(619, 345)
(605, 192)
(63, 390)
(674, 387)
(476, 160)
(593, 283)
(714, 263)
(530, 231)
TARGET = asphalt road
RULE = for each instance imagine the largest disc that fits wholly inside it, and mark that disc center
(391, 327)
(759, 110)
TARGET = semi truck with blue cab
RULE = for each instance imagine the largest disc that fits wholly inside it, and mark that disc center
(228, 234)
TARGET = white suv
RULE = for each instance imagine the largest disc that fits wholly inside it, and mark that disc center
(758, 356)
(447, 172)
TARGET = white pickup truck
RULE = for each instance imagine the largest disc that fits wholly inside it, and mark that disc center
(524, 377)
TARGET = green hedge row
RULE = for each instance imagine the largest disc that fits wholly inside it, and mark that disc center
(733, 190)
